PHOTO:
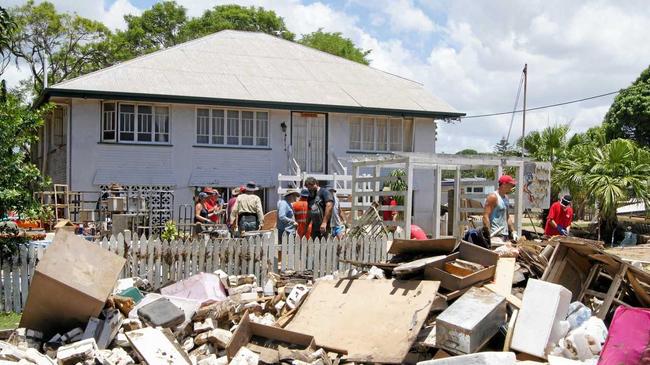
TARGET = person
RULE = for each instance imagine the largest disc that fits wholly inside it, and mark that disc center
(389, 215)
(247, 213)
(560, 217)
(301, 210)
(231, 203)
(320, 204)
(286, 217)
(212, 204)
(200, 213)
(497, 225)
(338, 221)
(417, 233)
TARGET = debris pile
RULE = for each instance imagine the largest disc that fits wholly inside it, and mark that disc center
(439, 301)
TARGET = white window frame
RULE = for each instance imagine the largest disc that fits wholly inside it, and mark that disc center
(373, 119)
(240, 125)
(116, 123)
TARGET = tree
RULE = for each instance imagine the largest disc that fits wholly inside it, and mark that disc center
(7, 28)
(70, 44)
(504, 148)
(610, 175)
(335, 44)
(161, 26)
(19, 125)
(237, 17)
(629, 115)
(547, 145)
(467, 151)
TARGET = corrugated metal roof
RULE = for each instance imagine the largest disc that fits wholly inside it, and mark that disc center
(257, 67)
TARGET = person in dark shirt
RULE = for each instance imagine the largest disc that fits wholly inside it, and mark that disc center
(320, 203)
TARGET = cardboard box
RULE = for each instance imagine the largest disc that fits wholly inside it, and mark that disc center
(70, 284)
(471, 321)
(468, 252)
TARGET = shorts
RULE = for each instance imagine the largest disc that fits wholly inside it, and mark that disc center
(336, 231)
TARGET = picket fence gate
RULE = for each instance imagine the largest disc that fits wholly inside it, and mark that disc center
(162, 262)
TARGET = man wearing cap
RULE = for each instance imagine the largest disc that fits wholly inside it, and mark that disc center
(247, 213)
(286, 218)
(301, 210)
(560, 217)
(496, 220)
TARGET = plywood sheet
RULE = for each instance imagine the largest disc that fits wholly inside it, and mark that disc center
(440, 245)
(374, 320)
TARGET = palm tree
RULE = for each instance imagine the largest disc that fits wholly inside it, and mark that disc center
(609, 176)
(547, 145)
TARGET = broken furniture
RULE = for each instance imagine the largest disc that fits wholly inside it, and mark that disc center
(445, 245)
(374, 320)
(467, 252)
(70, 284)
(470, 321)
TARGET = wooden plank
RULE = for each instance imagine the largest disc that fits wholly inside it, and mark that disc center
(503, 276)
(6, 286)
(440, 245)
(510, 298)
(611, 293)
(142, 257)
(303, 255)
(151, 259)
(284, 252)
(251, 257)
(230, 251)
(119, 248)
(157, 268)
(290, 253)
(15, 286)
(510, 330)
(165, 258)
(201, 258)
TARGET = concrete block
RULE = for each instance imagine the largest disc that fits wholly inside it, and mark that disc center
(544, 305)
(481, 358)
(92, 328)
(204, 326)
(77, 352)
(245, 357)
(220, 337)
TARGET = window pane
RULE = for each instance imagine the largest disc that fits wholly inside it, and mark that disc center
(355, 133)
(262, 129)
(203, 126)
(368, 134)
(382, 134)
(161, 132)
(127, 122)
(247, 126)
(396, 135)
(108, 122)
(233, 127)
(144, 123)
(218, 130)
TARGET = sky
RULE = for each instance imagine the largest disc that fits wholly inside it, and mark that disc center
(469, 53)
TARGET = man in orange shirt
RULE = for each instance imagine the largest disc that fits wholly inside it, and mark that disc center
(301, 209)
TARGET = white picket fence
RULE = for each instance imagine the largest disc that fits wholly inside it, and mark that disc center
(162, 262)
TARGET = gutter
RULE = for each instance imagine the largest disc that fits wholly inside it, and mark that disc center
(177, 99)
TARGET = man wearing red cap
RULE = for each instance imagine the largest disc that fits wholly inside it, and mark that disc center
(496, 220)
(559, 218)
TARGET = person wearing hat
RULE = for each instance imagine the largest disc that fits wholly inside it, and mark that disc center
(497, 225)
(560, 217)
(301, 211)
(247, 213)
(286, 218)
(338, 221)
(201, 214)
(234, 193)
(212, 204)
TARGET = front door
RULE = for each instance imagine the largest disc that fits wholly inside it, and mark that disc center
(308, 140)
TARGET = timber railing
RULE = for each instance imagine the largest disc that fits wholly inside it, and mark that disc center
(163, 262)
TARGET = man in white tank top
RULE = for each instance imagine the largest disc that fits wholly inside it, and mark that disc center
(497, 225)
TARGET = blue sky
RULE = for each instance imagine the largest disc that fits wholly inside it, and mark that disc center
(469, 53)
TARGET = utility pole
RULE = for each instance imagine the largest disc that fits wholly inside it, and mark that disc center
(523, 125)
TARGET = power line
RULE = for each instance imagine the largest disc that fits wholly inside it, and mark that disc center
(542, 107)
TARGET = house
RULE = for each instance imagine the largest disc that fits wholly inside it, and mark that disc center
(225, 109)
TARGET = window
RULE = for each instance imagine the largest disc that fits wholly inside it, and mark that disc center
(380, 134)
(58, 122)
(229, 127)
(127, 122)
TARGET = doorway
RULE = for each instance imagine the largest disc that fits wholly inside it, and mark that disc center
(309, 141)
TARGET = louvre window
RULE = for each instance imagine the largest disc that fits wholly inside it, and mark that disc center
(229, 127)
(380, 134)
(128, 122)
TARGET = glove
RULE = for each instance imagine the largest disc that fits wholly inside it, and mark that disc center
(515, 236)
(485, 232)
(562, 230)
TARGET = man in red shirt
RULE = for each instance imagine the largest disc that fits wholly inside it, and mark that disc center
(560, 217)
(389, 215)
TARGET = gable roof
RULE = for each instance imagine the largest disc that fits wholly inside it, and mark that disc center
(256, 69)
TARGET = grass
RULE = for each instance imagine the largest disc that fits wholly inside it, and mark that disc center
(9, 320)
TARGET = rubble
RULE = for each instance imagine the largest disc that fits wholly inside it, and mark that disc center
(442, 302)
